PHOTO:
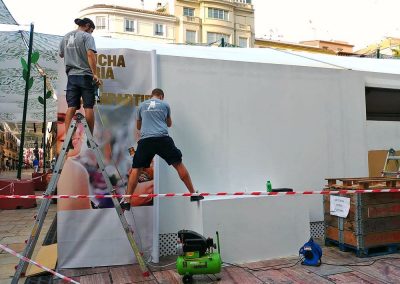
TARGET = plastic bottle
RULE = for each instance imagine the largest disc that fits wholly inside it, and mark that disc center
(269, 186)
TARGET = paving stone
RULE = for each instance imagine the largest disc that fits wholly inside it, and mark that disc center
(7, 270)
(5, 281)
(6, 227)
(15, 239)
(18, 247)
(7, 259)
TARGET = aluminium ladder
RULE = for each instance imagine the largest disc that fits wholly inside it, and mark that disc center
(45, 203)
(391, 159)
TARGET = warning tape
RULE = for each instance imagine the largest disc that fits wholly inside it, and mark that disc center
(12, 184)
(37, 177)
(254, 193)
(10, 251)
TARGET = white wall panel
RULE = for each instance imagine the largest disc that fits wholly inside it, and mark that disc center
(239, 124)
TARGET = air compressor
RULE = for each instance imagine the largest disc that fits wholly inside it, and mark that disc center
(196, 255)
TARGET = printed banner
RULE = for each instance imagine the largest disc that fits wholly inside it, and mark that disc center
(89, 231)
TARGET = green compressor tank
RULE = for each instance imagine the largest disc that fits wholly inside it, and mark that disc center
(190, 263)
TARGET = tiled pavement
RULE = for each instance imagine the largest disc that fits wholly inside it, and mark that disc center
(15, 227)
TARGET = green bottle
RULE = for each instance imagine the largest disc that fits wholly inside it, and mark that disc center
(269, 186)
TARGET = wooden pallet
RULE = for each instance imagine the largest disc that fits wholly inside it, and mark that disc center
(362, 183)
(373, 223)
(365, 252)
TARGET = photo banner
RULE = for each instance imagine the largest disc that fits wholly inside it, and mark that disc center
(89, 231)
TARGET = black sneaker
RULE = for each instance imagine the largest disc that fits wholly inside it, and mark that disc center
(125, 205)
(196, 198)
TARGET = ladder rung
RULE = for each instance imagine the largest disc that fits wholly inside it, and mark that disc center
(391, 173)
(393, 158)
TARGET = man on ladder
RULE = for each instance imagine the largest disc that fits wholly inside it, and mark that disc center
(79, 52)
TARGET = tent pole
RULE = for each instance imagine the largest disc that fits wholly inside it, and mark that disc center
(44, 128)
(21, 145)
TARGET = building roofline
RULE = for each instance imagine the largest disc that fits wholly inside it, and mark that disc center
(294, 45)
(328, 41)
(105, 6)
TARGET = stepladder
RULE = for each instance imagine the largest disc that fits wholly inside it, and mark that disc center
(391, 167)
(51, 188)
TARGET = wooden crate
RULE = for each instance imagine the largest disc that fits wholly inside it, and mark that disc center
(373, 223)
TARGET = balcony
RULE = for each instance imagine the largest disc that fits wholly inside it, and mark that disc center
(190, 19)
(241, 3)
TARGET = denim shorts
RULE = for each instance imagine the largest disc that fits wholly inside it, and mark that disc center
(81, 87)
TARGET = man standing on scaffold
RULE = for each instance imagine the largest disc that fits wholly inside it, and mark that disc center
(153, 119)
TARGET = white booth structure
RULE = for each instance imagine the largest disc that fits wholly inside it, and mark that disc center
(245, 116)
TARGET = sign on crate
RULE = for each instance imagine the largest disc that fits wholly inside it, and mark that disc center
(339, 206)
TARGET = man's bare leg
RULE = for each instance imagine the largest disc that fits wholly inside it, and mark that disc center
(132, 182)
(185, 176)
(68, 117)
(89, 114)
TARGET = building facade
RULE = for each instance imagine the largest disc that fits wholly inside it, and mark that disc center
(289, 46)
(178, 21)
(338, 47)
(9, 150)
(207, 22)
(132, 23)
(387, 48)
(313, 46)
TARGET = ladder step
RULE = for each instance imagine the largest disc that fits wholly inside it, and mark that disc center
(391, 173)
(393, 157)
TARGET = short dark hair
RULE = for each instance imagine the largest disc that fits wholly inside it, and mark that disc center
(85, 21)
(157, 92)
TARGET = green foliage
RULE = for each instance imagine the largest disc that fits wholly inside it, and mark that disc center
(35, 57)
(48, 95)
(30, 83)
(24, 64)
(25, 74)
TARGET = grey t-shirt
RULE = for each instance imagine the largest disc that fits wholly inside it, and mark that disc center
(153, 113)
(74, 47)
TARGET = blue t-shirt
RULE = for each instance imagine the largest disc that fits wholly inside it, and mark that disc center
(35, 163)
(153, 113)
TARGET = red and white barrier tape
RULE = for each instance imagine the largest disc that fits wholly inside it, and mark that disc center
(41, 176)
(11, 184)
(10, 251)
(254, 193)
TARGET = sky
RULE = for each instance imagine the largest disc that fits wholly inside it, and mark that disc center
(359, 22)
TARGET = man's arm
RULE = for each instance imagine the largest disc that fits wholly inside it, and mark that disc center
(138, 124)
(92, 63)
(169, 121)
(61, 49)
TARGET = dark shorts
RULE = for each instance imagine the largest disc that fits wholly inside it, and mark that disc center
(149, 147)
(81, 87)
